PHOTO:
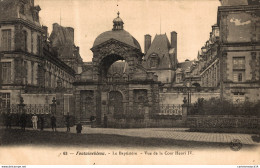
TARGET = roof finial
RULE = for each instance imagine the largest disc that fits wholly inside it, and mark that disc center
(118, 13)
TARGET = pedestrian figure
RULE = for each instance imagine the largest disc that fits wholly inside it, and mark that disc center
(92, 120)
(34, 121)
(105, 121)
(42, 122)
(9, 120)
(53, 123)
(79, 128)
(23, 121)
(68, 122)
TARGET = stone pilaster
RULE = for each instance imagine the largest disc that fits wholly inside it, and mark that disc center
(77, 105)
(131, 101)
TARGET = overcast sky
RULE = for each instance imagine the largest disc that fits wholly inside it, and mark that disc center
(191, 19)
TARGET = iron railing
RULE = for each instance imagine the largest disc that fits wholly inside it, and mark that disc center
(28, 108)
(170, 109)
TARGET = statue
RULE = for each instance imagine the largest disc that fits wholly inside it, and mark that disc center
(185, 100)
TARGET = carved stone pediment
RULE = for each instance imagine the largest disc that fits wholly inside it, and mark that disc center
(111, 47)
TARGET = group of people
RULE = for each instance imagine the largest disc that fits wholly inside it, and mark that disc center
(35, 120)
(41, 120)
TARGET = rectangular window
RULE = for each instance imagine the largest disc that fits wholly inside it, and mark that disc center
(32, 73)
(239, 63)
(38, 45)
(25, 72)
(6, 72)
(6, 40)
(5, 100)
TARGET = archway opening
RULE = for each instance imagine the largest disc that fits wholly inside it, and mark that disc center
(118, 72)
(113, 68)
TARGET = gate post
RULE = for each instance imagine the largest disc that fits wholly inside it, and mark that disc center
(21, 105)
(184, 111)
(53, 106)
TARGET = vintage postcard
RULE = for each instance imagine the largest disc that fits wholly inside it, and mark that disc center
(129, 82)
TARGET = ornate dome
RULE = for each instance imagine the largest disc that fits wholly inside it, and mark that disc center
(120, 35)
(117, 33)
(118, 19)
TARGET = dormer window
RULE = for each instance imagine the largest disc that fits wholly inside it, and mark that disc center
(37, 17)
(22, 9)
(36, 11)
(154, 61)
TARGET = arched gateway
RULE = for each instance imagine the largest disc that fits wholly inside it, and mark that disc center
(116, 95)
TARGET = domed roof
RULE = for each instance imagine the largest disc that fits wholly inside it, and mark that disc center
(120, 35)
(118, 19)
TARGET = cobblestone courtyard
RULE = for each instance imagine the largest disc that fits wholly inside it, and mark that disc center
(153, 137)
(170, 133)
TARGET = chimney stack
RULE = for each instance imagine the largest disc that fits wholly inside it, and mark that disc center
(147, 42)
(174, 45)
(174, 40)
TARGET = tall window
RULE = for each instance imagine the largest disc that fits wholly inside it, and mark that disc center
(25, 72)
(240, 77)
(5, 100)
(32, 73)
(6, 72)
(238, 69)
(38, 44)
(6, 40)
(24, 40)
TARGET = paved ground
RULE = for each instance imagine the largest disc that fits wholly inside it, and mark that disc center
(169, 133)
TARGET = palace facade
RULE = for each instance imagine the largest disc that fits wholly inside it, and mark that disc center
(121, 81)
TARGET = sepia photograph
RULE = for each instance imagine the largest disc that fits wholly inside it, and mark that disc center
(129, 82)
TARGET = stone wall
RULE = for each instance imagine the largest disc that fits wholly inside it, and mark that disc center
(150, 123)
(217, 121)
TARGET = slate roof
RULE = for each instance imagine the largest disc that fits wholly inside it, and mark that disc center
(161, 46)
(185, 65)
(120, 35)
